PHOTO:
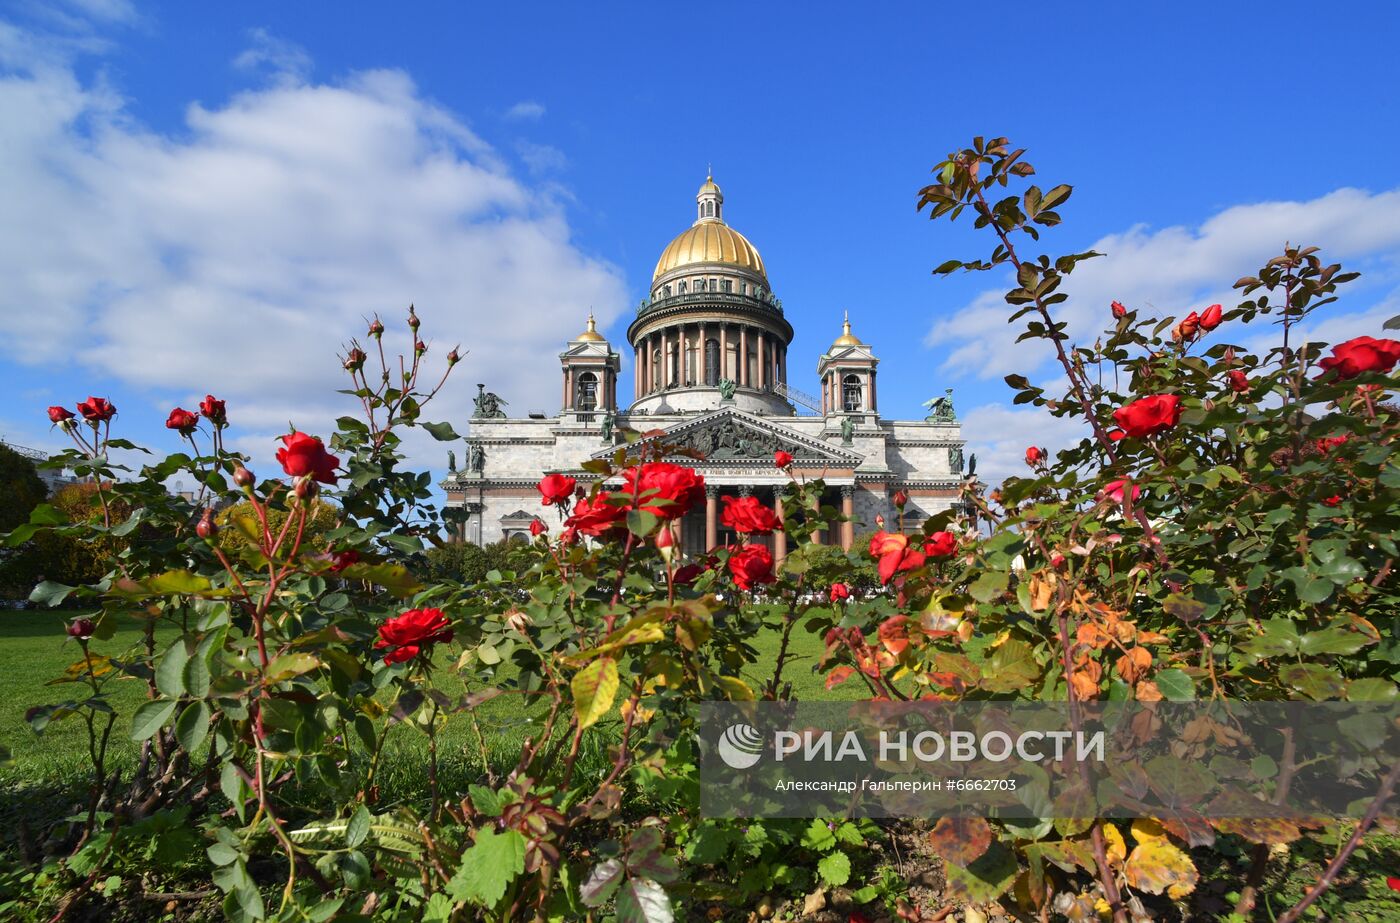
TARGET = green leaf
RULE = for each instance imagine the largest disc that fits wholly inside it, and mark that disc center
(594, 688)
(984, 880)
(642, 900)
(602, 881)
(1333, 640)
(1175, 685)
(289, 665)
(641, 523)
(442, 432)
(151, 717)
(196, 676)
(192, 727)
(180, 582)
(488, 867)
(170, 669)
(50, 593)
(835, 869)
(818, 836)
(1313, 680)
(358, 827)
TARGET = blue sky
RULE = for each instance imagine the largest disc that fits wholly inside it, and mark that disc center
(209, 197)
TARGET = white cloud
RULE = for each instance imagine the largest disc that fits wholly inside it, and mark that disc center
(526, 111)
(237, 254)
(999, 436)
(1175, 269)
(541, 158)
(287, 61)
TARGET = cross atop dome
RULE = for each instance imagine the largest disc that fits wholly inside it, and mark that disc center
(709, 201)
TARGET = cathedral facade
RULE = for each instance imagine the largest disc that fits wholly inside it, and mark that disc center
(710, 373)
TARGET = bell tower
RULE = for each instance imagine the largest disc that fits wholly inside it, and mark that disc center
(847, 372)
(590, 369)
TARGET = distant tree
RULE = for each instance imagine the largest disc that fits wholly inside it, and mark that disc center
(20, 488)
(239, 520)
(466, 563)
(60, 558)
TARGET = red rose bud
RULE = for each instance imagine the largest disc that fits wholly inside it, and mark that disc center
(376, 328)
(97, 410)
(306, 489)
(537, 527)
(303, 455)
(82, 629)
(413, 321)
(355, 360)
(1348, 360)
(1239, 381)
(343, 559)
(1146, 416)
(1113, 490)
(60, 415)
(839, 592)
(1334, 500)
(1210, 319)
(1118, 310)
(452, 357)
(182, 420)
(213, 410)
(420, 347)
(1034, 456)
(901, 498)
(556, 489)
(1393, 883)
(243, 477)
(664, 539)
(1057, 560)
(1188, 327)
(206, 528)
(782, 459)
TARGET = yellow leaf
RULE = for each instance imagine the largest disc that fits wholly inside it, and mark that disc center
(738, 690)
(1113, 840)
(1157, 866)
(1148, 829)
(594, 688)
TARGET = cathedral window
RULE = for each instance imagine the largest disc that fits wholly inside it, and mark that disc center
(587, 398)
(699, 285)
(656, 370)
(712, 362)
(726, 286)
(850, 393)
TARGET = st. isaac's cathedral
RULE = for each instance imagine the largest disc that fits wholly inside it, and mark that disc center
(710, 371)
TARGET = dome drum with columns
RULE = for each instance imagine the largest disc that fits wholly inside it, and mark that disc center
(710, 371)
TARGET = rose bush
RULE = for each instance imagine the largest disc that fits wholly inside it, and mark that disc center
(1203, 540)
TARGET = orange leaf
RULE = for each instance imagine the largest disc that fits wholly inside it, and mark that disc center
(894, 634)
(1132, 665)
(838, 676)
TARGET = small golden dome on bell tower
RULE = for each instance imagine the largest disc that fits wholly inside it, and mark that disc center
(847, 338)
(590, 335)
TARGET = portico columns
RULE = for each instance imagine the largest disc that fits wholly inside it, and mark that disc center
(744, 357)
(711, 517)
(779, 536)
(848, 509)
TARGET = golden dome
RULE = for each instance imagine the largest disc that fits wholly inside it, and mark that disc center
(847, 338)
(710, 241)
(710, 188)
(591, 334)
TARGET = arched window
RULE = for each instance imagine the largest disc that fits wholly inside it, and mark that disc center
(587, 397)
(709, 209)
(726, 286)
(700, 285)
(712, 362)
(656, 370)
(850, 393)
(673, 379)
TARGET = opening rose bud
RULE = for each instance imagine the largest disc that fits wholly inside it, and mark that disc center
(60, 415)
(1035, 455)
(205, 528)
(1118, 310)
(82, 629)
(213, 410)
(537, 527)
(1210, 318)
(306, 489)
(452, 357)
(1239, 381)
(420, 347)
(839, 592)
(243, 477)
(97, 410)
(376, 328)
(782, 459)
(182, 420)
(355, 360)
(900, 498)
(413, 320)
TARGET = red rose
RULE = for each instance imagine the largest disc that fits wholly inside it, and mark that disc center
(213, 410)
(687, 574)
(182, 420)
(894, 554)
(1334, 500)
(941, 545)
(839, 592)
(1210, 319)
(1393, 883)
(1155, 414)
(782, 459)
(1239, 381)
(1326, 445)
(304, 455)
(665, 490)
(1035, 455)
(751, 564)
(1352, 358)
(1114, 490)
(596, 518)
(747, 514)
(343, 559)
(82, 629)
(406, 635)
(901, 498)
(537, 527)
(556, 489)
(664, 539)
(60, 414)
(1188, 326)
(97, 410)
(1118, 310)
(1057, 560)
